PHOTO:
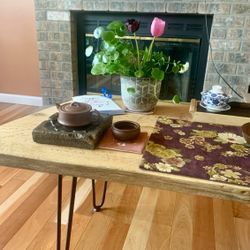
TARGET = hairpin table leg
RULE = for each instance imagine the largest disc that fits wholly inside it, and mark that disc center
(59, 210)
(71, 211)
(97, 208)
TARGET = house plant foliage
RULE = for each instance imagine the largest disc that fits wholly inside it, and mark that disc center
(118, 53)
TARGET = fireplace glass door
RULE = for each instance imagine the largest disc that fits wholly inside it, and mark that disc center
(184, 40)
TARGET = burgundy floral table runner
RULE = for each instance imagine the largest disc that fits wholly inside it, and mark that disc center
(200, 150)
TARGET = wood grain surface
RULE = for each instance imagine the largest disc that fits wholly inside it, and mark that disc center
(17, 149)
(222, 117)
(176, 220)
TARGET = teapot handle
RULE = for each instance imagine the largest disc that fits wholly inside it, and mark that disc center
(58, 106)
(95, 115)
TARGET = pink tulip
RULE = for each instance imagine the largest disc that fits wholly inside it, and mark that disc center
(157, 27)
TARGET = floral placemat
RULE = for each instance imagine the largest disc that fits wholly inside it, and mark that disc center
(200, 150)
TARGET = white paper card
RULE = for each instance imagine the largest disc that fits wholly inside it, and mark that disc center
(100, 103)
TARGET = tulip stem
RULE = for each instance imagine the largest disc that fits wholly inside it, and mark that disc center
(138, 52)
(150, 49)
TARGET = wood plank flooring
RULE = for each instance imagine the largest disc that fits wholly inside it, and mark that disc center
(133, 217)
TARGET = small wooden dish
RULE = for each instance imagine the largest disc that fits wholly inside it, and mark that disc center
(125, 130)
(246, 131)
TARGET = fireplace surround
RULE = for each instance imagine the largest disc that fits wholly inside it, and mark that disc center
(57, 40)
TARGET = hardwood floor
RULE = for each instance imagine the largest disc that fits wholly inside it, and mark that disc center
(133, 217)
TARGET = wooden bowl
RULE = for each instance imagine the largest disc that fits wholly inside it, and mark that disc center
(246, 131)
(125, 130)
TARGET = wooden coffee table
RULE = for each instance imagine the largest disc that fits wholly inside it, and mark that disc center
(17, 149)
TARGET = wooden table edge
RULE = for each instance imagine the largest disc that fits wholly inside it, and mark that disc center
(188, 185)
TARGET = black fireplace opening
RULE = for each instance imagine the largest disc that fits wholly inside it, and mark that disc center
(185, 39)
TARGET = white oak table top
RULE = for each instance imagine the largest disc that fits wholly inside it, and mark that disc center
(17, 149)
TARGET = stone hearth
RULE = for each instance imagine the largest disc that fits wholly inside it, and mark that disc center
(56, 38)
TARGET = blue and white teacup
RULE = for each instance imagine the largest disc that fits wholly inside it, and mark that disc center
(215, 98)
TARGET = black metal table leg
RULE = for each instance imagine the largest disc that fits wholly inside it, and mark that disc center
(71, 211)
(71, 208)
(59, 210)
(97, 208)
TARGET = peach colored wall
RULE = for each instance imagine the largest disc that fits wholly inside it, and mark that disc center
(19, 69)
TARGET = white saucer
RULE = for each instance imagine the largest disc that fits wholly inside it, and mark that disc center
(213, 109)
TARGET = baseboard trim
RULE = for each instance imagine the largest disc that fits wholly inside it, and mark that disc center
(21, 99)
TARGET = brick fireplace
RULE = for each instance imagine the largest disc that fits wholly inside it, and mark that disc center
(56, 38)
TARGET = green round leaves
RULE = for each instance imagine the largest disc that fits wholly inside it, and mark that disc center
(108, 36)
(157, 74)
(176, 99)
(117, 27)
(116, 54)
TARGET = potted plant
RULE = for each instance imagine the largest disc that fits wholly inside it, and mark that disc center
(141, 70)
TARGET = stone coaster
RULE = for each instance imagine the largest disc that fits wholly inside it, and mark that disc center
(52, 132)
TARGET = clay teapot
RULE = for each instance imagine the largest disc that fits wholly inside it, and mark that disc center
(75, 114)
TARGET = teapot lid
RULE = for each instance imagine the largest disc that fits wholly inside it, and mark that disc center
(217, 89)
(74, 107)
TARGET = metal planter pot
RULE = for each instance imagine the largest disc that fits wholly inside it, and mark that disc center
(140, 94)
